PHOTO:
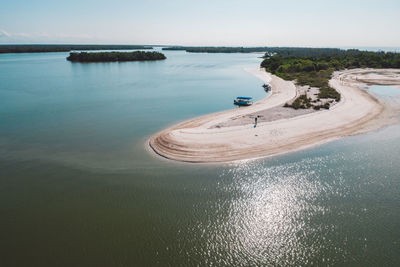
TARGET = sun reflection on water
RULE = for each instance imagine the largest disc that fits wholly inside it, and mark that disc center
(268, 220)
(319, 207)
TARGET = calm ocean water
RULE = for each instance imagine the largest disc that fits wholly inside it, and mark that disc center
(79, 188)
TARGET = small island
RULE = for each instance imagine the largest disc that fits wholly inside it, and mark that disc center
(115, 56)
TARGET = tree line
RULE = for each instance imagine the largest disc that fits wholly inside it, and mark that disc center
(115, 56)
(193, 49)
(284, 51)
(65, 48)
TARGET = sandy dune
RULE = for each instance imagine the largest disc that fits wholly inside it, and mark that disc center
(199, 140)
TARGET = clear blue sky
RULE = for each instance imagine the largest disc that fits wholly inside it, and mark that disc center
(218, 22)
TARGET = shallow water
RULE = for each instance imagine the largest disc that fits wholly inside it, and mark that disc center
(78, 187)
(385, 90)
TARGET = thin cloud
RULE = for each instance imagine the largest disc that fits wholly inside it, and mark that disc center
(3, 33)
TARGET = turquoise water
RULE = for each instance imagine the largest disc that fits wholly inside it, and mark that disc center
(385, 90)
(78, 112)
(79, 188)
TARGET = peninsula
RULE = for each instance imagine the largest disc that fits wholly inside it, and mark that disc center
(285, 123)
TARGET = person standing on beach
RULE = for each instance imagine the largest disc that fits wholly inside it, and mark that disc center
(255, 121)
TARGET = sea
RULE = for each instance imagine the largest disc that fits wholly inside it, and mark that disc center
(80, 187)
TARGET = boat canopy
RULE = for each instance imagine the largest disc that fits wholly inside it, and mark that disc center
(242, 97)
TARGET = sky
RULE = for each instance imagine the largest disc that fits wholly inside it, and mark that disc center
(334, 23)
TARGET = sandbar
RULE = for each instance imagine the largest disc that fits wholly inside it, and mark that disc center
(230, 135)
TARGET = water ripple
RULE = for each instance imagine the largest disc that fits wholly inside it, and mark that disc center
(268, 219)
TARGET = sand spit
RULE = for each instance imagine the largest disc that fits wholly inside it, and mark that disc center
(230, 135)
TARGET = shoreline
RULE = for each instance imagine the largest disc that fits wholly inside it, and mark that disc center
(200, 140)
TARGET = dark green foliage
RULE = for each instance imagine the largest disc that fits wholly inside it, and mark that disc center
(328, 92)
(115, 56)
(290, 61)
(325, 106)
(303, 51)
(314, 67)
(301, 102)
(65, 48)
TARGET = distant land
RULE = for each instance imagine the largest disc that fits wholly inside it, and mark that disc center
(37, 48)
(275, 49)
(115, 56)
(300, 51)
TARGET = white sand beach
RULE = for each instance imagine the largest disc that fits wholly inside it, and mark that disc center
(230, 135)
